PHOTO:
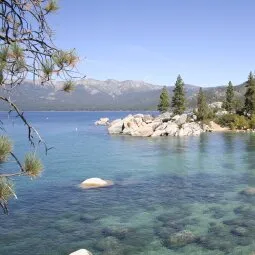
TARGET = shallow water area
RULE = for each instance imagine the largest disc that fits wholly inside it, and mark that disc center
(171, 195)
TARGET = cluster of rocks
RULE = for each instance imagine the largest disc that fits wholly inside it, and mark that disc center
(102, 122)
(166, 124)
(217, 107)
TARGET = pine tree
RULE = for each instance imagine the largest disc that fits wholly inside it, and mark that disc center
(202, 107)
(229, 101)
(164, 102)
(249, 104)
(178, 101)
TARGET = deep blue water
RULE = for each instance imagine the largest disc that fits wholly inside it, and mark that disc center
(162, 186)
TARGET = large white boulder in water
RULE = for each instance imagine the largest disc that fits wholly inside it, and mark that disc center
(81, 252)
(188, 129)
(130, 125)
(171, 128)
(143, 131)
(95, 183)
(158, 133)
(116, 127)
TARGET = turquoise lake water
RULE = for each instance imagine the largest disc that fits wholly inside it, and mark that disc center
(163, 186)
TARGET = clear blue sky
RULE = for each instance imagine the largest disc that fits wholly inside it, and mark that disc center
(207, 42)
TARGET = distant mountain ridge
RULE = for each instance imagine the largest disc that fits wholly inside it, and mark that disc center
(91, 94)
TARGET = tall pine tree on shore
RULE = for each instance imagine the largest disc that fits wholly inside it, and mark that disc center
(178, 101)
(202, 106)
(229, 101)
(164, 101)
(249, 103)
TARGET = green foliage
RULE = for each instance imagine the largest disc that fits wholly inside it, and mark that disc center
(238, 105)
(252, 122)
(233, 121)
(164, 102)
(178, 101)
(225, 120)
(16, 52)
(65, 58)
(229, 101)
(47, 69)
(202, 111)
(6, 189)
(20, 66)
(240, 122)
(68, 86)
(3, 62)
(249, 104)
(51, 6)
(3, 54)
(32, 165)
(1, 77)
(5, 148)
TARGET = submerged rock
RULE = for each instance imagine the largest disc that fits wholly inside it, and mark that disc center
(88, 218)
(216, 238)
(118, 232)
(81, 252)
(180, 239)
(235, 222)
(217, 244)
(95, 183)
(109, 245)
(239, 231)
(216, 211)
(250, 191)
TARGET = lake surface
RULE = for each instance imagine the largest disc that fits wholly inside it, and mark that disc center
(163, 187)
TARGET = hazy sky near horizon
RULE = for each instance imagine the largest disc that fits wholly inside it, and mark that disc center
(207, 42)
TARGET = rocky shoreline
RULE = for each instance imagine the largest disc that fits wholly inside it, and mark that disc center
(166, 124)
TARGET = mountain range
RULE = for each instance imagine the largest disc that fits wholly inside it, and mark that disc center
(91, 94)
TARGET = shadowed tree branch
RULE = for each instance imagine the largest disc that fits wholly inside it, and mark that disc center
(27, 50)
